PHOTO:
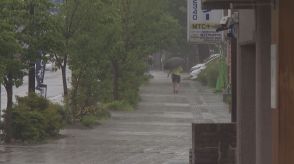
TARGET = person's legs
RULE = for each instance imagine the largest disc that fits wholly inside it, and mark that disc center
(176, 79)
(177, 87)
(174, 87)
(174, 83)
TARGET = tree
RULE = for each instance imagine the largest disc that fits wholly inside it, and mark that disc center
(10, 50)
(87, 55)
(36, 30)
(67, 23)
(24, 29)
(109, 47)
(143, 27)
(123, 33)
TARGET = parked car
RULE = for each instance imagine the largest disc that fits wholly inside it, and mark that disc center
(197, 66)
(50, 66)
(194, 73)
(195, 70)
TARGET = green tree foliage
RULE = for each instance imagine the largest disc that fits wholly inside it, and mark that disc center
(142, 28)
(119, 106)
(104, 42)
(68, 21)
(36, 29)
(10, 48)
(109, 50)
(11, 69)
(26, 28)
(178, 10)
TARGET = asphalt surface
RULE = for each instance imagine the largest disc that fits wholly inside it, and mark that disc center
(157, 132)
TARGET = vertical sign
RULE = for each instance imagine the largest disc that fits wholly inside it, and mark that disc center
(202, 24)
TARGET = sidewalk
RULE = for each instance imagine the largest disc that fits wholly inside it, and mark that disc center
(158, 132)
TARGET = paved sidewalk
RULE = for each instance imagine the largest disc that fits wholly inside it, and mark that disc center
(158, 132)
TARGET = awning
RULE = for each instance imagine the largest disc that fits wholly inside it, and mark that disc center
(236, 4)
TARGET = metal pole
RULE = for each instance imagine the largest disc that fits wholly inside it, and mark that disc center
(234, 78)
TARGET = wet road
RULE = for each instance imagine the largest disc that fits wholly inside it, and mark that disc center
(54, 87)
(158, 132)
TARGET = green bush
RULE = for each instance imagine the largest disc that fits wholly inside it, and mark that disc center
(129, 89)
(33, 102)
(130, 97)
(34, 119)
(102, 113)
(28, 125)
(202, 77)
(54, 119)
(93, 115)
(119, 105)
(88, 120)
(68, 112)
(209, 75)
(212, 73)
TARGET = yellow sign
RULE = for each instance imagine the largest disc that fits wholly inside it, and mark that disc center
(203, 26)
(200, 26)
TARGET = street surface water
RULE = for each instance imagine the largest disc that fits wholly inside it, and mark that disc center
(157, 132)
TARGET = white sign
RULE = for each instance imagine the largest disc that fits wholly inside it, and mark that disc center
(202, 24)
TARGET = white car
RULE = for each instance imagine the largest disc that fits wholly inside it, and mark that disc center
(194, 73)
(195, 70)
(198, 66)
(50, 66)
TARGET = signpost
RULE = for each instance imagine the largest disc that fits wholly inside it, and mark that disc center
(202, 24)
(40, 72)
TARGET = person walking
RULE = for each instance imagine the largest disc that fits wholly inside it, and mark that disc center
(176, 78)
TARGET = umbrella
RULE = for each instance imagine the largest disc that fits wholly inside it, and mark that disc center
(174, 62)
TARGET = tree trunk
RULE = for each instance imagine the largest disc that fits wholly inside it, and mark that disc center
(115, 78)
(64, 82)
(32, 75)
(74, 93)
(32, 69)
(9, 89)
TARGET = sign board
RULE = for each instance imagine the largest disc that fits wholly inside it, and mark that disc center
(202, 24)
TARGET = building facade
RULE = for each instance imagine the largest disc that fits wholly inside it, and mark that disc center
(264, 79)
